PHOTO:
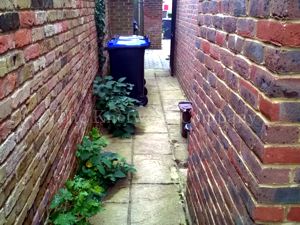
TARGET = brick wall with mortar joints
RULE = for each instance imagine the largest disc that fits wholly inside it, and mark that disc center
(244, 82)
(48, 59)
(120, 15)
(153, 22)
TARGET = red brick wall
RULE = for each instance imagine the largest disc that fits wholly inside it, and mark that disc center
(48, 60)
(153, 22)
(120, 17)
(241, 70)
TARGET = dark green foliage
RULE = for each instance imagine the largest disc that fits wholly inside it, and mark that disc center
(100, 25)
(75, 203)
(117, 110)
(96, 164)
(81, 197)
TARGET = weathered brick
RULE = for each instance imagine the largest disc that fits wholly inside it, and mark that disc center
(268, 214)
(255, 121)
(22, 37)
(23, 4)
(249, 93)
(26, 19)
(235, 43)
(279, 33)
(282, 61)
(290, 111)
(14, 60)
(225, 6)
(226, 58)
(259, 8)
(297, 176)
(294, 214)
(254, 51)
(6, 147)
(7, 84)
(9, 21)
(229, 24)
(40, 17)
(242, 67)
(3, 66)
(246, 27)
(218, 22)
(20, 95)
(237, 104)
(6, 43)
(6, 5)
(211, 35)
(32, 52)
(269, 109)
(38, 34)
(41, 4)
(208, 20)
(280, 134)
(220, 38)
(237, 7)
(282, 155)
(285, 9)
(231, 80)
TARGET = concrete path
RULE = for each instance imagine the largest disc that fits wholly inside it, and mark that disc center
(154, 195)
(158, 59)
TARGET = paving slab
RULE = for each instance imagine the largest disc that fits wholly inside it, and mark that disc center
(119, 193)
(152, 125)
(153, 99)
(167, 86)
(113, 214)
(171, 105)
(149, 73)
(180, 152)
(153, 169)
(149, 205)
(162, 73)
(122, 148)
(154, 144)
(151, 111)
(172, 117)
(175, 135)
(173, 94)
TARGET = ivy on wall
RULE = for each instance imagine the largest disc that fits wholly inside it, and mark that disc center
(100, 25)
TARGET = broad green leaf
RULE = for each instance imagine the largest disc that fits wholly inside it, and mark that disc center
(65, 219)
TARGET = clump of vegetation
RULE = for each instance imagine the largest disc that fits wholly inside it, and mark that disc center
(94, 163)
(81, 197)
(75, 203)
(117, 110)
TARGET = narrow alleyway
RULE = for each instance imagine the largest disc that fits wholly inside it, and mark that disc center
(154, 195)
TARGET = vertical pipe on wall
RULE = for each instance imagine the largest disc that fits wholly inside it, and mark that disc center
(141, 16)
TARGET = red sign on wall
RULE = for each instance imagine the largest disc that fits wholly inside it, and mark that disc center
(166, 7)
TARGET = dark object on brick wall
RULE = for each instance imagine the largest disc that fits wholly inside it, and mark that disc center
(9, 21)
(135, 28)
(167, 28)
(42, 4)
(186, 110)
(126, 55)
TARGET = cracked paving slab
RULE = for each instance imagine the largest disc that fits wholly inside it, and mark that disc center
(149, 205)
(152, 144)
(153, 169)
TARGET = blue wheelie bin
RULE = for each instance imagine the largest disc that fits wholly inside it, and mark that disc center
(127, 55)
